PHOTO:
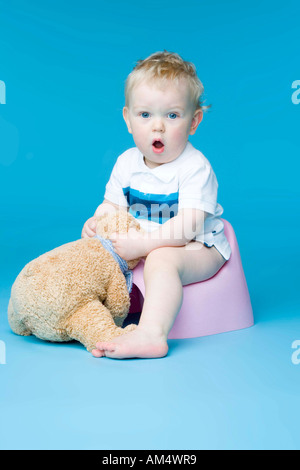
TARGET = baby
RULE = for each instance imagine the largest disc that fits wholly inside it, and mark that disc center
(171, 189)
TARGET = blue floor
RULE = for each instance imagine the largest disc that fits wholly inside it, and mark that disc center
(237, 390)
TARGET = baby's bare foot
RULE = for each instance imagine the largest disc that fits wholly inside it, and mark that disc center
(138, 343)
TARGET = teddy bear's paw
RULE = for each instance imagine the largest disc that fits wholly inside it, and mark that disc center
(129, 328)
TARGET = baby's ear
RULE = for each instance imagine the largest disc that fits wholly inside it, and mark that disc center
(197, 119)
(126, 119)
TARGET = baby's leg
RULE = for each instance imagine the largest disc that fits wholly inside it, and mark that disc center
(166, 271)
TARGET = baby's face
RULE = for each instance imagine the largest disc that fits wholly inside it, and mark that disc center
(160, 119)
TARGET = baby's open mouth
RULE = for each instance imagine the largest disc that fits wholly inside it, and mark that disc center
(158, 144)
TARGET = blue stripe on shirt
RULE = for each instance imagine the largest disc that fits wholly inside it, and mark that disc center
(155, 207)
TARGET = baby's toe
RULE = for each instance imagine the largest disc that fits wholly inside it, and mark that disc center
(105, 346)
(97, 353)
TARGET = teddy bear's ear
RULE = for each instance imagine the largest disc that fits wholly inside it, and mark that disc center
(100, 217)
(101, 225)
(134, 224)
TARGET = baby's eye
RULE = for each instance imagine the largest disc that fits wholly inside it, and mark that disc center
(145, 115)
(172, 115)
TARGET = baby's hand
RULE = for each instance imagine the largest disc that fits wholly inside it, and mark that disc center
(89, 228)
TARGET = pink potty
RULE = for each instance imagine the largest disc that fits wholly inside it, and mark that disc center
(217, 305)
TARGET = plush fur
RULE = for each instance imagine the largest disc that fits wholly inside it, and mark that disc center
(76, 291)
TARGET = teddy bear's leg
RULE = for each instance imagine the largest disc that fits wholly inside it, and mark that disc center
(15, 322)
(92, 323)
(117, 299)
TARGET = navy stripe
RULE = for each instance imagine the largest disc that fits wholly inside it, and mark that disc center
(155, 207)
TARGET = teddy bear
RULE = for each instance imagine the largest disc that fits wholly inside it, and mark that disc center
(78, 291)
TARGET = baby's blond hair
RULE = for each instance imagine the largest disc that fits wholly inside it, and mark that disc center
(165, 66)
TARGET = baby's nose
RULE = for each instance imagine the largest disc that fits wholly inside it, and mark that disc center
(158, 125)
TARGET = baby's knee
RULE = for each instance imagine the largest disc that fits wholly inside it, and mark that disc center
(161, 257)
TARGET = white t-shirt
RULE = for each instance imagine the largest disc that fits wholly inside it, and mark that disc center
(156, 195)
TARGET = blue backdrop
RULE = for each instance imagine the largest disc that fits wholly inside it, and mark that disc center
(61, 129)
(63, 66)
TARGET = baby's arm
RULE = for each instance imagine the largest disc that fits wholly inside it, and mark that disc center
(89, 228)
(178, 231)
